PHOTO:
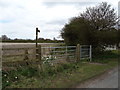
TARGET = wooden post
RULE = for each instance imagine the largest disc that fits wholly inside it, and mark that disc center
(90, 53)
(78, 52)
(39, 52)
(66, 53)
(50, 50)
(26, 54)
(39, 57)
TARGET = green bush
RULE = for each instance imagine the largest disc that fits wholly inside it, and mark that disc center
(106, 56)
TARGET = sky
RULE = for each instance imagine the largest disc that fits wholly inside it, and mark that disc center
(19, 18)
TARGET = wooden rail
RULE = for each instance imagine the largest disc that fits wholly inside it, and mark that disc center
(63, 52)
(16, 48)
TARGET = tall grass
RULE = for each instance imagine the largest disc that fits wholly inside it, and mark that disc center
(14, 76)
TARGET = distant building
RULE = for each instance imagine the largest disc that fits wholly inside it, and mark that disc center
(111, 47)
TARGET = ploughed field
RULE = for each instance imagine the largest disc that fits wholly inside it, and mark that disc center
(25, 45)
(18, 50)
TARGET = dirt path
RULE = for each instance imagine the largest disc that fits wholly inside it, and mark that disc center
(106, 80)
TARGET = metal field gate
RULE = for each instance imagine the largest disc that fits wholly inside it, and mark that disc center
(66, 53)
(58, 54)
(86, 52)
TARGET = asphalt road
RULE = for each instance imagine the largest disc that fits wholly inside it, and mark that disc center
(106, 80)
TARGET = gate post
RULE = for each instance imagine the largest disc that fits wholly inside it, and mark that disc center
(78, 52)
(90, 53)
(66, 54)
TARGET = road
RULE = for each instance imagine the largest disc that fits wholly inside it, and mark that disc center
(106, 80)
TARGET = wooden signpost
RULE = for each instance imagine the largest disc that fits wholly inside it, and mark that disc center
(37, 42)
(38, 52)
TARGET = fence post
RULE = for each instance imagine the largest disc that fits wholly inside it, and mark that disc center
(37, 54)
(66, 52)
(26, 54)
(78, 52)
(39, 58)
(90, 53)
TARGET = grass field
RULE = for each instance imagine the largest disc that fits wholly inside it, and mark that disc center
(60, 76)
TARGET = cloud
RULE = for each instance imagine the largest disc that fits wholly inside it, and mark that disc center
(19, 18)
(119, 9)
(53, 4)
(57, 22)
(26, 18)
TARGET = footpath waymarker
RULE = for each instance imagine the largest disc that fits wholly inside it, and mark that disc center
(37, 42)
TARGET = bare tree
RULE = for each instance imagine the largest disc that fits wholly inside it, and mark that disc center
(102, 17)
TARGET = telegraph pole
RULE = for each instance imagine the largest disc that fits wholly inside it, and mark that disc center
(37, 42)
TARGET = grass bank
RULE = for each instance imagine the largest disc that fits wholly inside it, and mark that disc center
(59, 76)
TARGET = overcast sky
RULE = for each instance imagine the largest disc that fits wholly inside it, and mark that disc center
(19, 18)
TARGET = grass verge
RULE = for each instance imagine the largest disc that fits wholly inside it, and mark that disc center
(60, 76)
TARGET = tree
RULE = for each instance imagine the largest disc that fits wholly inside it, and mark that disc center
(102, 17)
(54, 39)
(77, 31)
(4, 37)
(96, 26)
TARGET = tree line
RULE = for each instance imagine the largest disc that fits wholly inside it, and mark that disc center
(5, 38)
